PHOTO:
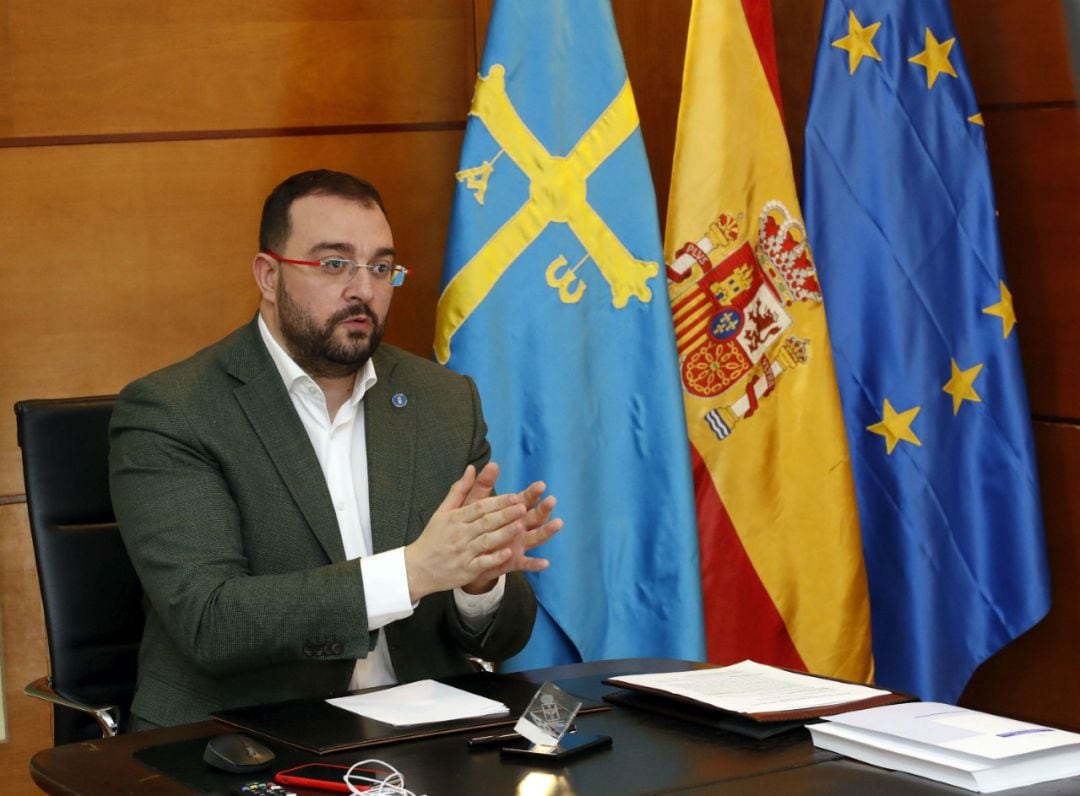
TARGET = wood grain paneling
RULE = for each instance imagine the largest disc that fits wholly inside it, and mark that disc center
(1035, 159)
(796, 24)
(1016, 52)
(653, 37)
(119, 66)
(482, 16)
(120, 259)
(3, 709)
(5, 71)
(25, 655)
(1035, 676)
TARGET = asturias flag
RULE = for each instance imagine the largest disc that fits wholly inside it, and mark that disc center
(554, 302)
(901, 212)
(782, 567)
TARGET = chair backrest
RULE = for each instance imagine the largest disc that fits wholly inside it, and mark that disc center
(89, 589)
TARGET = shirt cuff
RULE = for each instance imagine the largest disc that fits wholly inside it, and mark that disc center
(386, 587)
(476, 610)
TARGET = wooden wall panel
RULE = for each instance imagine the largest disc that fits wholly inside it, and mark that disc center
(797, 25)
(1035, 156)
(123, 66)
(5, 70)
(25, 656)
(1017, 52)
(653, 37)
(119, 259)
(1035, 676)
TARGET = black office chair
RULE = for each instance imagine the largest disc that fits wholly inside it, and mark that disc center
(89, 590)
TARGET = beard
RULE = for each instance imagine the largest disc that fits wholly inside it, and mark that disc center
(315, 348)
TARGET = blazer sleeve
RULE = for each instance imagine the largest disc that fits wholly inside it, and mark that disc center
(176, 502)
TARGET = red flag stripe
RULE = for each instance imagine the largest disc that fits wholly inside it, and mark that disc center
(727, 574)
(759, 20)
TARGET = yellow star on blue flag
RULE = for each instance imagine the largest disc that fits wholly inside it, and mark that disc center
(935, 58)
(896, 426)
(859, 42)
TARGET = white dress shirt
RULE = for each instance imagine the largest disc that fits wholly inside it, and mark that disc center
(341, 447)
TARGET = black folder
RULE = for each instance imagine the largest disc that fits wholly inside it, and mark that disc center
(702, 714)
(753, 725)
(319, 727)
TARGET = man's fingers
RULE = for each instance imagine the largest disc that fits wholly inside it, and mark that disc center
(520, 564)
(455, 498)
(530, 564)
(484, 484)
(501, 535)
(504, 539)
(537, 536)
(532, 492)
(476, 536)
(540, 513)
(474, 512)
(506, 535)
(492, 561)
(472, 494)
(495, 520)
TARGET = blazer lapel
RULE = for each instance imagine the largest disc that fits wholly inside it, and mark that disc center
(390, 428)
(268, 408)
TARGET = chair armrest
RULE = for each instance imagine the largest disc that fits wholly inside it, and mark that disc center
(107, 716)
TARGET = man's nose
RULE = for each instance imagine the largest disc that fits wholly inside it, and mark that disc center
(360, 284)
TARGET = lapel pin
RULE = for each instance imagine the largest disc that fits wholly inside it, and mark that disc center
(399, 400)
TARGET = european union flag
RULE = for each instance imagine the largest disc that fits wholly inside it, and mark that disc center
(554, 301)
(900, 211)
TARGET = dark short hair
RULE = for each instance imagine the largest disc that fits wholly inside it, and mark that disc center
(274, 229)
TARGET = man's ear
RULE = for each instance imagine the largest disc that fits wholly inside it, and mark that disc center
(267, 272)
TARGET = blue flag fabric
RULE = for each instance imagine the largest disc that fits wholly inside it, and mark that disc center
(554, 301)
(900, 210)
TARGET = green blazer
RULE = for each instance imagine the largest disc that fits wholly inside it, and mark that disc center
(227, 518)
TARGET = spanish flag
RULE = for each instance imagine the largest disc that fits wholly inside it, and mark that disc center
(781, 557)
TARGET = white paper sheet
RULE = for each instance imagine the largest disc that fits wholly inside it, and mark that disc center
(969, 749)
(959, 729)
(422, 702)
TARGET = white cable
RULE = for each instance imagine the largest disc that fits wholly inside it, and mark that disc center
(393, 784)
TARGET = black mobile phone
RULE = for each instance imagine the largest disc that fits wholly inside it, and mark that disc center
(323, 776)
(571, 744)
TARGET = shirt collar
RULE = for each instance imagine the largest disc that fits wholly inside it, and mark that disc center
(295, 376)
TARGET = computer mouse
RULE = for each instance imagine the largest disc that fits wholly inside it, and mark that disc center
(237, 754)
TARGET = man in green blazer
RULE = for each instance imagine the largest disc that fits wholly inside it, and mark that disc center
(309, 511)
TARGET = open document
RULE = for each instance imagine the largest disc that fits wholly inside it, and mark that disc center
(422, 702)
(966, 748)
(757, 690)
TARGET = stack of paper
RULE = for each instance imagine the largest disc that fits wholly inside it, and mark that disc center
(972, 750)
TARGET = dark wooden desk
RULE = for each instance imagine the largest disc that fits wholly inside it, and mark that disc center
(650, 755)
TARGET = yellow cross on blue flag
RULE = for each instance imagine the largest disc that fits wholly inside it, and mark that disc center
(900, 210)
(554, 301)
